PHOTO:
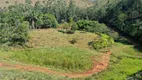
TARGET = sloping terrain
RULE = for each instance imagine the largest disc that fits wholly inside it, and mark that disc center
(98, 67)
(80, 3)
(33, 62)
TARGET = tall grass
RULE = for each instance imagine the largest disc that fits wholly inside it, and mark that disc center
(9, 74)
(66, 58)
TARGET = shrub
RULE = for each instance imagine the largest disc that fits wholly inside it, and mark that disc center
(114, 35)
(70, 32)
(64, 25)
(73, 41)
(6, 2)
(14, 35)
(20, 35)
(74, 26)
(48, 21)
(92, 26)
(102, 42)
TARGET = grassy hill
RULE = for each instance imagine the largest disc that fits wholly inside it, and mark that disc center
(52, 49)
(56, 45)
(80, 3)
(60, 53)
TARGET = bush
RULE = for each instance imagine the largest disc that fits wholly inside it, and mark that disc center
(64, 25)
(92, 26)
(14, 35)
(47, 21)
(70, 32)
(20, 35)
(73, 41)
(103, 41)
(114, 35)
(74, 26)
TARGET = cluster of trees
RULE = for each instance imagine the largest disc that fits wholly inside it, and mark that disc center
(16, 20)
(126, 17)
(13, 29)
(92, 26)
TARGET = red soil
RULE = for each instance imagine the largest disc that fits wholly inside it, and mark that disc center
(98, 67)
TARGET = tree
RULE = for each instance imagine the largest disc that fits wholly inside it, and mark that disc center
(92, 26)
(20, 35)
(48, 21)
(71, 10)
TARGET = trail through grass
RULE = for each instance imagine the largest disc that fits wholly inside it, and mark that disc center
(124, 62)
(125, 59)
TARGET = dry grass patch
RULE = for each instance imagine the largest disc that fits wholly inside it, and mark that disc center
(51, 37)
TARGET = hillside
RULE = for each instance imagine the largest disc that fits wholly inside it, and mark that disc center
(80, 3)
(58, 40)
(53, 57)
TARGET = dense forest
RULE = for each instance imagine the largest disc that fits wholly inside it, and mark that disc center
(125, 16)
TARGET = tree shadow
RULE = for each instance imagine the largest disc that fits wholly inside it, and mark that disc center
(138, 47)
(67, 32)
(123, 41)
(135, 76)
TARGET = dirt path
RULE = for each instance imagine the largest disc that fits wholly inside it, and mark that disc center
(98, 67)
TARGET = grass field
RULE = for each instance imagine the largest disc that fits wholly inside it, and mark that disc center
(65, 58)
(125, 61)
(10, 74)
(52, 49)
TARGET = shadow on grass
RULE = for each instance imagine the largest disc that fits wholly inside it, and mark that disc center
(135, 76)
(138, 47)
(124, 41)
(67, 32)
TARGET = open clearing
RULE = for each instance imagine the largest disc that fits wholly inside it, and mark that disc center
(65, 40)
(98, 67)
(68, 60)
(53, 49)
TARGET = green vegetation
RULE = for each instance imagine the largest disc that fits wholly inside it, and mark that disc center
(103, 41)
(92, 26)
(9, 74)
(125, 16)
(135, 76)
(73, 44)
(124, 62)
(65, 58)
(10, 35)
(52, 49)
(120, 71)
(46, 21)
